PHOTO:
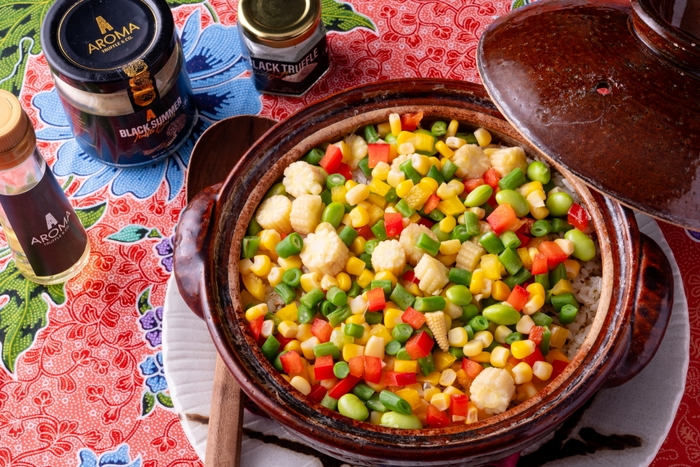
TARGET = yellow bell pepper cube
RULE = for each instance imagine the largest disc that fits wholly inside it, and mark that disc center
(405, 137)
(525, 258)
(406, 366)
(483, 357)
(561, 287)
(417, 196)
(377, 200)
(352, 350)
(491, 266)
(443, 360)
(365, 278)
(451, 206)
(424, 144)
(379, 187)
(411, 396)
(288, 313)
(338, 194)
(380, 330)
(375, 213)
(559, 336)
(432, 378)
(254, 286)
(444, 150)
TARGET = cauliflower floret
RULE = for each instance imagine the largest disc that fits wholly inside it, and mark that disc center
(358, 148)
(433, 275)
(274, 213)
(306, 213)
(324, 252)
(302, 178)
(471, 161)
(409, 237)
(389, 256)
(506, 159)
(492, 390)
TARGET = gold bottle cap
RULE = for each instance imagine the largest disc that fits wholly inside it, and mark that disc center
(13, 121)
(279, 23)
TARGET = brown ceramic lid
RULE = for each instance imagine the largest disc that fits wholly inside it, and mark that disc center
(610, 91)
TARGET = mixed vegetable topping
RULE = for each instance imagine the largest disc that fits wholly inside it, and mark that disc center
(415, 277)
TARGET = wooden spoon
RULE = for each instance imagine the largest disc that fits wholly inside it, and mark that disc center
(213, 157)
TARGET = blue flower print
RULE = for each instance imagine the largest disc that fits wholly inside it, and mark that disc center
(215, 65)
(118, 458)
(152, 368)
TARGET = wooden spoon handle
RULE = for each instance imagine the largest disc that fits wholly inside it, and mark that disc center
(225, 420)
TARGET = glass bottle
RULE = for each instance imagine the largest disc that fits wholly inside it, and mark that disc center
(48, 242)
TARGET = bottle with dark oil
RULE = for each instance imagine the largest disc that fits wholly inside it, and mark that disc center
(48, 242)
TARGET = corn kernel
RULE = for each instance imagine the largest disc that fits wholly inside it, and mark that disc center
(483, 137)
(559, 336)
(452, 128)
(346, 220)
(328, 281)
(525, 258)
(480, 213)
(472, 413)
(413, 289)
(522, 373)
(403, 188)
(307, 347)
(355, 266)
(450, 247)
(486, 337)
(561, 287)
(415, 217)
(567, 246)
(303, 332)
(244, 265)
(261, 265)
(430, 183)
(359, 217)
(395, 177)
(411, 396)
(421, 163)
(291, 262)
(432, 378)
(352, 350)
(452, 391)
(543, 370)
(381, 171)
(256, 311)
(473, 348)
(383, 129)
(406, 148)
(482, 357)
(526, 391)
(444, 150)
(534, 303)
(445, 191)
(536, 289)
(448, 377)
(522, 349)
(375, 347)
(477, 283)
(392, 317)
(293, 346)
(500, 291)
(275, 276)
(431, 391)
(489, 151)
(441, 401)
(448, 224)
(269, 239)
(365, 278)
(406, 366)
(454, 142)
(457, 337)
(310, 281)
(572, 268)
(268, 328)
(350, 184)
(288, 313)
(499, 357)
(556, 354)
(356, 319)
(386, 276)
(254, 285)
(529, 187)
(395, 123)
(344, 281)
(524, 325)
(443, 360)
(501, 333)
(357, 194)
(491, 266)
(288, 328)
(301, 385)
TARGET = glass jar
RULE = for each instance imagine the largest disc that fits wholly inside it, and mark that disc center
(285, 44)
(48, 242)
(119, 70)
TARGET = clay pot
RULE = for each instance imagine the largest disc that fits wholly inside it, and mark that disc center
(629, 325)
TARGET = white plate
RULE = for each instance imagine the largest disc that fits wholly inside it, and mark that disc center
(643, 408)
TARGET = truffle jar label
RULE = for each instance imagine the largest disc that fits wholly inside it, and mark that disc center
(51, 235)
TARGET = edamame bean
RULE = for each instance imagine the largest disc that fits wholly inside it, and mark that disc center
(276, 189)
(401, 421)
(501, 314)
(516, 201)
(559, 203)
(333, 214)
(459, 295)
(351, 406)
(584, 248)
(539, 172)
(478, 196)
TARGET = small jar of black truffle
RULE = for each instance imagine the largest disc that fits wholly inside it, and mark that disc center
(119, 70)
(285, 43)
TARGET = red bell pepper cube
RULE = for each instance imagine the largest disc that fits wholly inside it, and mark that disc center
(518, 297)
(394, 378)
(524, 239)
(471, 184)
(578, 217)
(357, 366)
(291, 363)
(553, 252)
(256, 327)
(471, 368)
(558, 366)
(332, 159)
(539, 264)
(436, 417)
(393, 223)
(410, 122)
(343, 387)
(459, 404)
(317, 393)
(425, 222)
(502, 218)
(410, 276)
(419, 345)
(535, 356)
(283, 340)
(344, 170)
(376, 300)
(321, 329)
(378, 152)
(536, 333)
(414, 318)
(373, 369)
(525, 226)
(323, 368)
(365, 232)
(492, 177)
(431, 203)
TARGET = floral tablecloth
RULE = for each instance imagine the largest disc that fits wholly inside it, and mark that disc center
(81, 374)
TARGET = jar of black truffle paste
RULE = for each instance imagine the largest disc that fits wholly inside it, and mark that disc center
(119, 70)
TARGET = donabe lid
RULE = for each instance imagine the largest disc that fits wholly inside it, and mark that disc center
(97, 45)
(611, 92)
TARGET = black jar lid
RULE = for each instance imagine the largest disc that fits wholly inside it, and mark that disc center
(91, 44)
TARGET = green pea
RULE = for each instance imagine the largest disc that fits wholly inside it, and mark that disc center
(559, 203)
(351, 406)
(333, 214)
(584, 248)
(459, 295)
(501, 314)
(538, 172)
(478, 196)
(516, 201)
(401, 421)
(275, 190)
(439, 128)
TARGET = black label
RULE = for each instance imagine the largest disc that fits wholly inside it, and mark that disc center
(293, 78)
(51, 235)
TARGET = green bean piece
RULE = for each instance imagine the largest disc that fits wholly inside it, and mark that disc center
(426, 364)
(341, 370)
(501, 314)
(403, 354)
(457, 352)
(471, 223)
(400, 421)
(540, 228)
(520, 277)
(392, 347)
(327, 348)
(541, 319)
(559, 203)
(250, 246)
(379, 230)
(558, 301)
(460, 233)
(567, 314)
(337, 296)
(402, 332)
(488, 301)
(391, 195)
(270, 347)
(277, 363)
(327, 308)
(584, 248)
(277, 189)
(543, 279)
(510, 239)
(314, 156)
(546, 339)
(364, 166)
(371, 245)
(373, 317)
(404, 209)
(373, 403)
(510, 259)
(514, 337)
(470, 332)
(515, 199)
(488, 209)
(448, 170)
(363, 391)
(291, 245)
(402, 297)
(333, 214)
(287, 293)
(367, 258)
(334, 180)
(355, 290)
(254, 228)
(353, 330)
(492, 243)
(292, 277)
(479, 323)
(426, 304)
(557, 274)
(348, 208)
(390, 138)
(435, 174)
(326, 197)
(329, 403)
(436, 215)
(384, 284)
(338, 316)
(411, 174)
(560, 225)
(538, 172)
(470, 138)
(305, 315)
(513, 180)
(460, 276)
(459, 295)
(312, 298)
(371, 135)
(427, 244)
(439, 128)
(478, 196)
(348, 235)
(394, 402)
(469, 312)
(274, 318)
(492, 346)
